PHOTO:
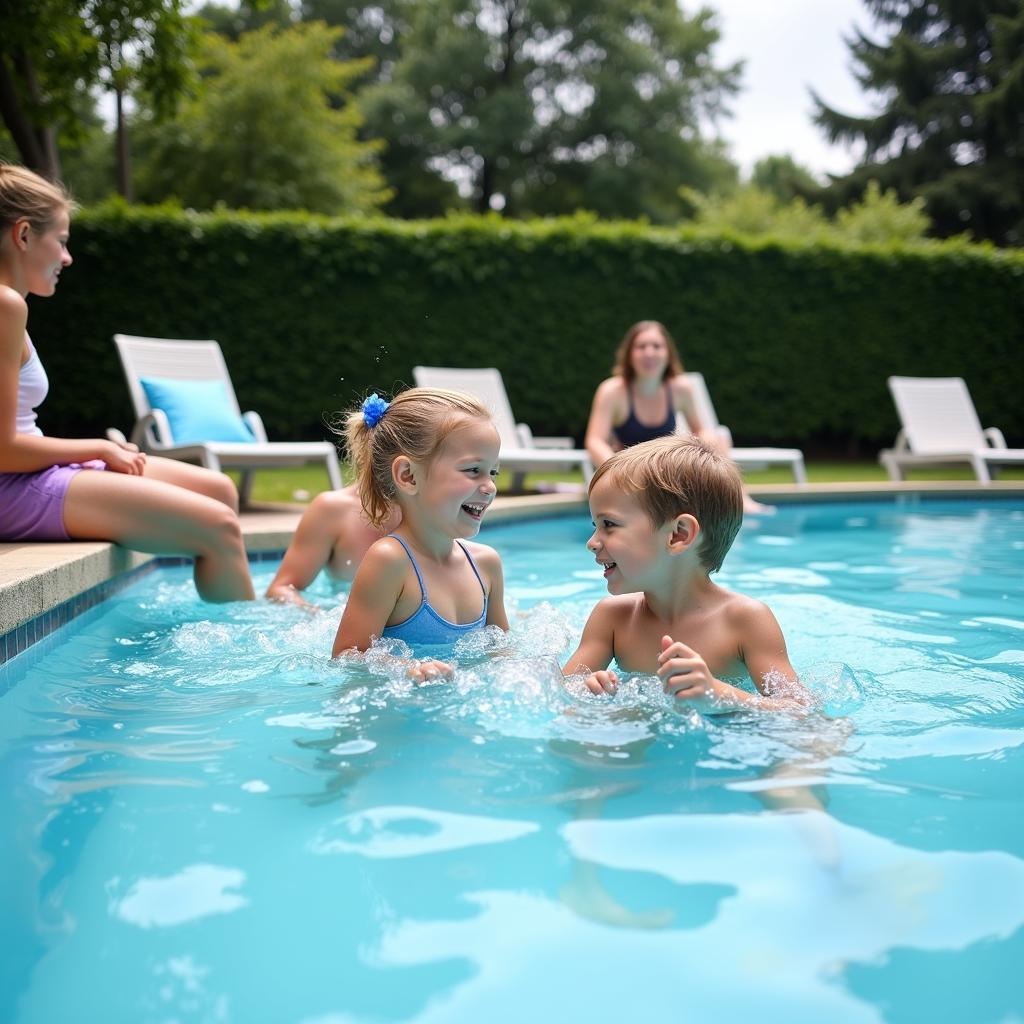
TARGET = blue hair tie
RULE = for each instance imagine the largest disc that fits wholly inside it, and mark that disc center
(373, 409)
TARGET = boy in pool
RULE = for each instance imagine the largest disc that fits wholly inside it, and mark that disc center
(333, 534)
(665, 514)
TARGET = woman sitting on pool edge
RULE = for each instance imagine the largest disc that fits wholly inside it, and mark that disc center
(56, 489)
(433, 454)
(647, 381)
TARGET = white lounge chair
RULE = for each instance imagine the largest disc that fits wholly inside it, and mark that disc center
(177, 361)
(939, 426)
(745, 458)
(521, 452)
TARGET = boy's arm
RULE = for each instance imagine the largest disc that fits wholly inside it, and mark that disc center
(763, 649)
(307, 554)
(595, 651)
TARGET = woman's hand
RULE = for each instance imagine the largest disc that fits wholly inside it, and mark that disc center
(124, 457)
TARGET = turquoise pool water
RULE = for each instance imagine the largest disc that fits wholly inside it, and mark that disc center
(207, 820)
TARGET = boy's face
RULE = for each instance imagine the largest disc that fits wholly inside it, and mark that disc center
(630, 548)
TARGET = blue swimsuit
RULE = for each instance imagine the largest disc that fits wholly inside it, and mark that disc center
(425, 626)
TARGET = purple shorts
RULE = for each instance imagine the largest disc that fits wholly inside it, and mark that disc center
(32, 504)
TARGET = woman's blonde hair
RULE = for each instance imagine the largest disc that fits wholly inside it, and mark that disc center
(415, 424)
(679, 475)
(623, 366)
(23, 193)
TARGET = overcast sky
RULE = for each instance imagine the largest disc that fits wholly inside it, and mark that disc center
(788, 46)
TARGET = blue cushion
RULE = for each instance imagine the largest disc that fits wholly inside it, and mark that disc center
(198, 410)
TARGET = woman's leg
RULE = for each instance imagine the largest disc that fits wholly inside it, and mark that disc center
(159, 517)
(193, 478)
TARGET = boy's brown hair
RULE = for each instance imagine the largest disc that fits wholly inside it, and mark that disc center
(678, 475)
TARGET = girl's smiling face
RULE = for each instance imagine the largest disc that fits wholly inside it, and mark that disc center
(459, 482)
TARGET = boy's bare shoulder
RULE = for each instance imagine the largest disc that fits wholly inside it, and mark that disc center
(745, 613)
(617, 607)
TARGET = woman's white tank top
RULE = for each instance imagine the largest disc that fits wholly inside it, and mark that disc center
(32, 388)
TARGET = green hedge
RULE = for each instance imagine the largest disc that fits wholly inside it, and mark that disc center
(795, 341)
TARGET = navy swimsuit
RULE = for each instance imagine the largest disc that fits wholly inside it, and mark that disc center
(632, 431)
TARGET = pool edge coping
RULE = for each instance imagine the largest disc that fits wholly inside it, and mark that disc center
(50, 584)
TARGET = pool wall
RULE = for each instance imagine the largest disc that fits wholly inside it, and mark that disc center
(45, 586)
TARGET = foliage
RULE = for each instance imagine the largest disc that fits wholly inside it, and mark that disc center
(783, 177)
(272, 128)
(52, 52)
(795, 339)
(751, 210)
(541, 106)
(879, 217)
(950, 129)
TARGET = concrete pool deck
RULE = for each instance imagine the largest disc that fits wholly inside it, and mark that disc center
(35, 579)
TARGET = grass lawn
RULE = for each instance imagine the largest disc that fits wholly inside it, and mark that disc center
(303, 483)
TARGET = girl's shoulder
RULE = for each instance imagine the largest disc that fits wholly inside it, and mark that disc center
(484, 555)
(386, 555)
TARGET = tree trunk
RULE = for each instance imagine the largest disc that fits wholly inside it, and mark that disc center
(36, 144)
(483, 203)
(124, 162)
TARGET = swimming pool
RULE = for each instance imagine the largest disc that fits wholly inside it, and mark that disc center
(207, 820)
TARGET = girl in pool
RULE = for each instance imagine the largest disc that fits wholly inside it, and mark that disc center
(434, 455)
(640, 400)
(57, 489)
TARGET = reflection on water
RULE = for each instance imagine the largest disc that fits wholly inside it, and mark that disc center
(213, 821)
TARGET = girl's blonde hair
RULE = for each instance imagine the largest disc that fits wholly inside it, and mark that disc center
(623, 366)
(415, 424)
(23, 193)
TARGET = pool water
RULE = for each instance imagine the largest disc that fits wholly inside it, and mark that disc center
(205, 819)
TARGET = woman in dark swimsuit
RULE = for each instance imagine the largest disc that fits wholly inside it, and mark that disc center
(644, 395)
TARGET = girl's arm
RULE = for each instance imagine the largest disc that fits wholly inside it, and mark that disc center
(489, 562)
(374, 594)
(596, 650)
(599, 426)
(29, 453)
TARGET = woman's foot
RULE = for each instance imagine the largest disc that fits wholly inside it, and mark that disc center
(756, 508)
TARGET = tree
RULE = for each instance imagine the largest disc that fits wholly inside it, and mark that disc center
(53, 52)
(950, 128)
(271, 128)
(44, 53)
(142, 46)
(783, 177)
(546, 106)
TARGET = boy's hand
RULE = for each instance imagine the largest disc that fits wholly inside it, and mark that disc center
(685, 674)
(604, 681)
(429, 670)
